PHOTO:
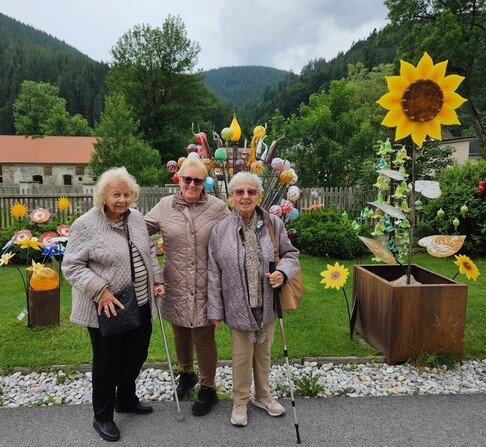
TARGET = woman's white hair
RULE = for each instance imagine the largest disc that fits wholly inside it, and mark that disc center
(245, 177)
(111, 176)
(195, 163)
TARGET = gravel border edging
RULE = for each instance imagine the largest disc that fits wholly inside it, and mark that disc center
(86, 367)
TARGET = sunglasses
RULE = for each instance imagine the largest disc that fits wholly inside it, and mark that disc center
(197, 181)
(241, 192)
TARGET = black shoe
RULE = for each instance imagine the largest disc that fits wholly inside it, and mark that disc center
(140, 408)
(206, 400)
(107, 430)
(187, 381)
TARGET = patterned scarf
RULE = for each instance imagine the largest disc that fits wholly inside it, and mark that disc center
(254, 274)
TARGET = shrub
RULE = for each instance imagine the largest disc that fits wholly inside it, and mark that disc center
(458, 185)
(327, 233)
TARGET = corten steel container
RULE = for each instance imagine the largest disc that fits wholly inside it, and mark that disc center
(406, 321)
(44, 307)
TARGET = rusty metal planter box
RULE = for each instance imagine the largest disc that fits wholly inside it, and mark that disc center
(406, 321)
(44, 307)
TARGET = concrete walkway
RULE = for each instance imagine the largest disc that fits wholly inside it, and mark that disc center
(408, 421)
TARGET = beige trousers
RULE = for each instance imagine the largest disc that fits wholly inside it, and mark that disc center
(185, 339)
(247, 358)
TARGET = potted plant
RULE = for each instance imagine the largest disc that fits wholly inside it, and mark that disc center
(401, 308)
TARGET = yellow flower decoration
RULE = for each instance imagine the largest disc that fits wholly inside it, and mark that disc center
(5, 258)
(421, 99)
(335, 276)
(29, 243)
(63, 204)
(18, 210)
(257, 167)
(286, 176)
(36, 267)
(467, 267)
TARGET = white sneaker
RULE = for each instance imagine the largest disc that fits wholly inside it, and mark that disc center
(239, 414)
(269, 404)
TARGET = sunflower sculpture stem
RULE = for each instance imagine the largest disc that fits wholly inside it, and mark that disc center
(412, 215)
(349, 312)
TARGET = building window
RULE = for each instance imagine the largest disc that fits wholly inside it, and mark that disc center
(79, 170)
(47, 170)
(68, 179)
(1, 179)
(1, 173)
(37, 178)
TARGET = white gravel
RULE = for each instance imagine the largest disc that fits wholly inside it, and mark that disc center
(326, 380)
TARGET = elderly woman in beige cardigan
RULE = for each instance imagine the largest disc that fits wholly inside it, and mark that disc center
(97, 264)
(185, 220)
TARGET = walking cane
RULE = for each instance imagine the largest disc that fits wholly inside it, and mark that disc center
(278, 307)
(180, 416)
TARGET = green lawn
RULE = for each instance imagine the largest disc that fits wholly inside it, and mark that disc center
(317, 328)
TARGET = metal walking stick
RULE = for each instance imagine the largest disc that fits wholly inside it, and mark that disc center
(180, 416)
(278, 307)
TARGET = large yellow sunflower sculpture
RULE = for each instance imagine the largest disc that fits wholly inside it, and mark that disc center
(467, 267)
(421, 99)
(335, 276)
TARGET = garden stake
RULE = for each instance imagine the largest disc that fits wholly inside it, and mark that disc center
(180, 416)
(278, 307)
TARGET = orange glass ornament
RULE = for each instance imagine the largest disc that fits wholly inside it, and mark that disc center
(44, 279)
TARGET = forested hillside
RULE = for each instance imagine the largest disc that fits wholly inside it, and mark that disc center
(288, 94)
(30, 54)
(235, 86)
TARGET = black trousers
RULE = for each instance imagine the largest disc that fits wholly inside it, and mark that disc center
(117, 361)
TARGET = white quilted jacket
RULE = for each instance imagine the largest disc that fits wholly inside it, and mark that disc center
(97, 256)
(185, 229)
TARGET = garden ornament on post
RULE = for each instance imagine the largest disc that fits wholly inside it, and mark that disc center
(37, 237)
(278, 308)
(227, 159)
(419, 101)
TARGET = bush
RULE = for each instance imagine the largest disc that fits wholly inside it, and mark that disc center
(458, 185)
(327, 233)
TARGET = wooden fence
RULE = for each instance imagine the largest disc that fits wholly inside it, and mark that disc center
(342, 199)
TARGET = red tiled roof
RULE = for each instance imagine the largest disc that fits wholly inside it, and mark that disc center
(58, 150)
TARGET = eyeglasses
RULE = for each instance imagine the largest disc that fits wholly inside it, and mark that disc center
(241, 192)
(197, 181)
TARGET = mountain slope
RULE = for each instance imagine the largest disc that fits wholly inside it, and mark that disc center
(29, 54)
(235, 86)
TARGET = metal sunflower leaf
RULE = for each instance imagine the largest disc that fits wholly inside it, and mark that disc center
(388, 209)
(390, 173)
(442, 246)
(428, 188)
(379, 250)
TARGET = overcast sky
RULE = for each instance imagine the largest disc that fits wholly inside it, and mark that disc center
(284, 34)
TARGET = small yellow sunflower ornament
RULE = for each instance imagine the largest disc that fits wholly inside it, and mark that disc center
(467, 267)
(63, 204)
(421, 99)
(335, 276)
(18, 210)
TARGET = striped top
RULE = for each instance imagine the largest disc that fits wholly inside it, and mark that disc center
(141, 276)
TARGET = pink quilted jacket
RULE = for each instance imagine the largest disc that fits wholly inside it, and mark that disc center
(185, 229)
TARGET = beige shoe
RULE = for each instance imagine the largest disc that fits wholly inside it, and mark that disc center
(269, 404)
(239, 415)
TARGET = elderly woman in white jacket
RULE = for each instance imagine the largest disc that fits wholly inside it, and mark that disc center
(240, 290)
(97, 264)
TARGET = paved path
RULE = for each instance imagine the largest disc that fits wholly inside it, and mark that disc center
(408, 421)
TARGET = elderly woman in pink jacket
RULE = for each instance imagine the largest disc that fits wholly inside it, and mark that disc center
(185, 220)
(240, 290)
